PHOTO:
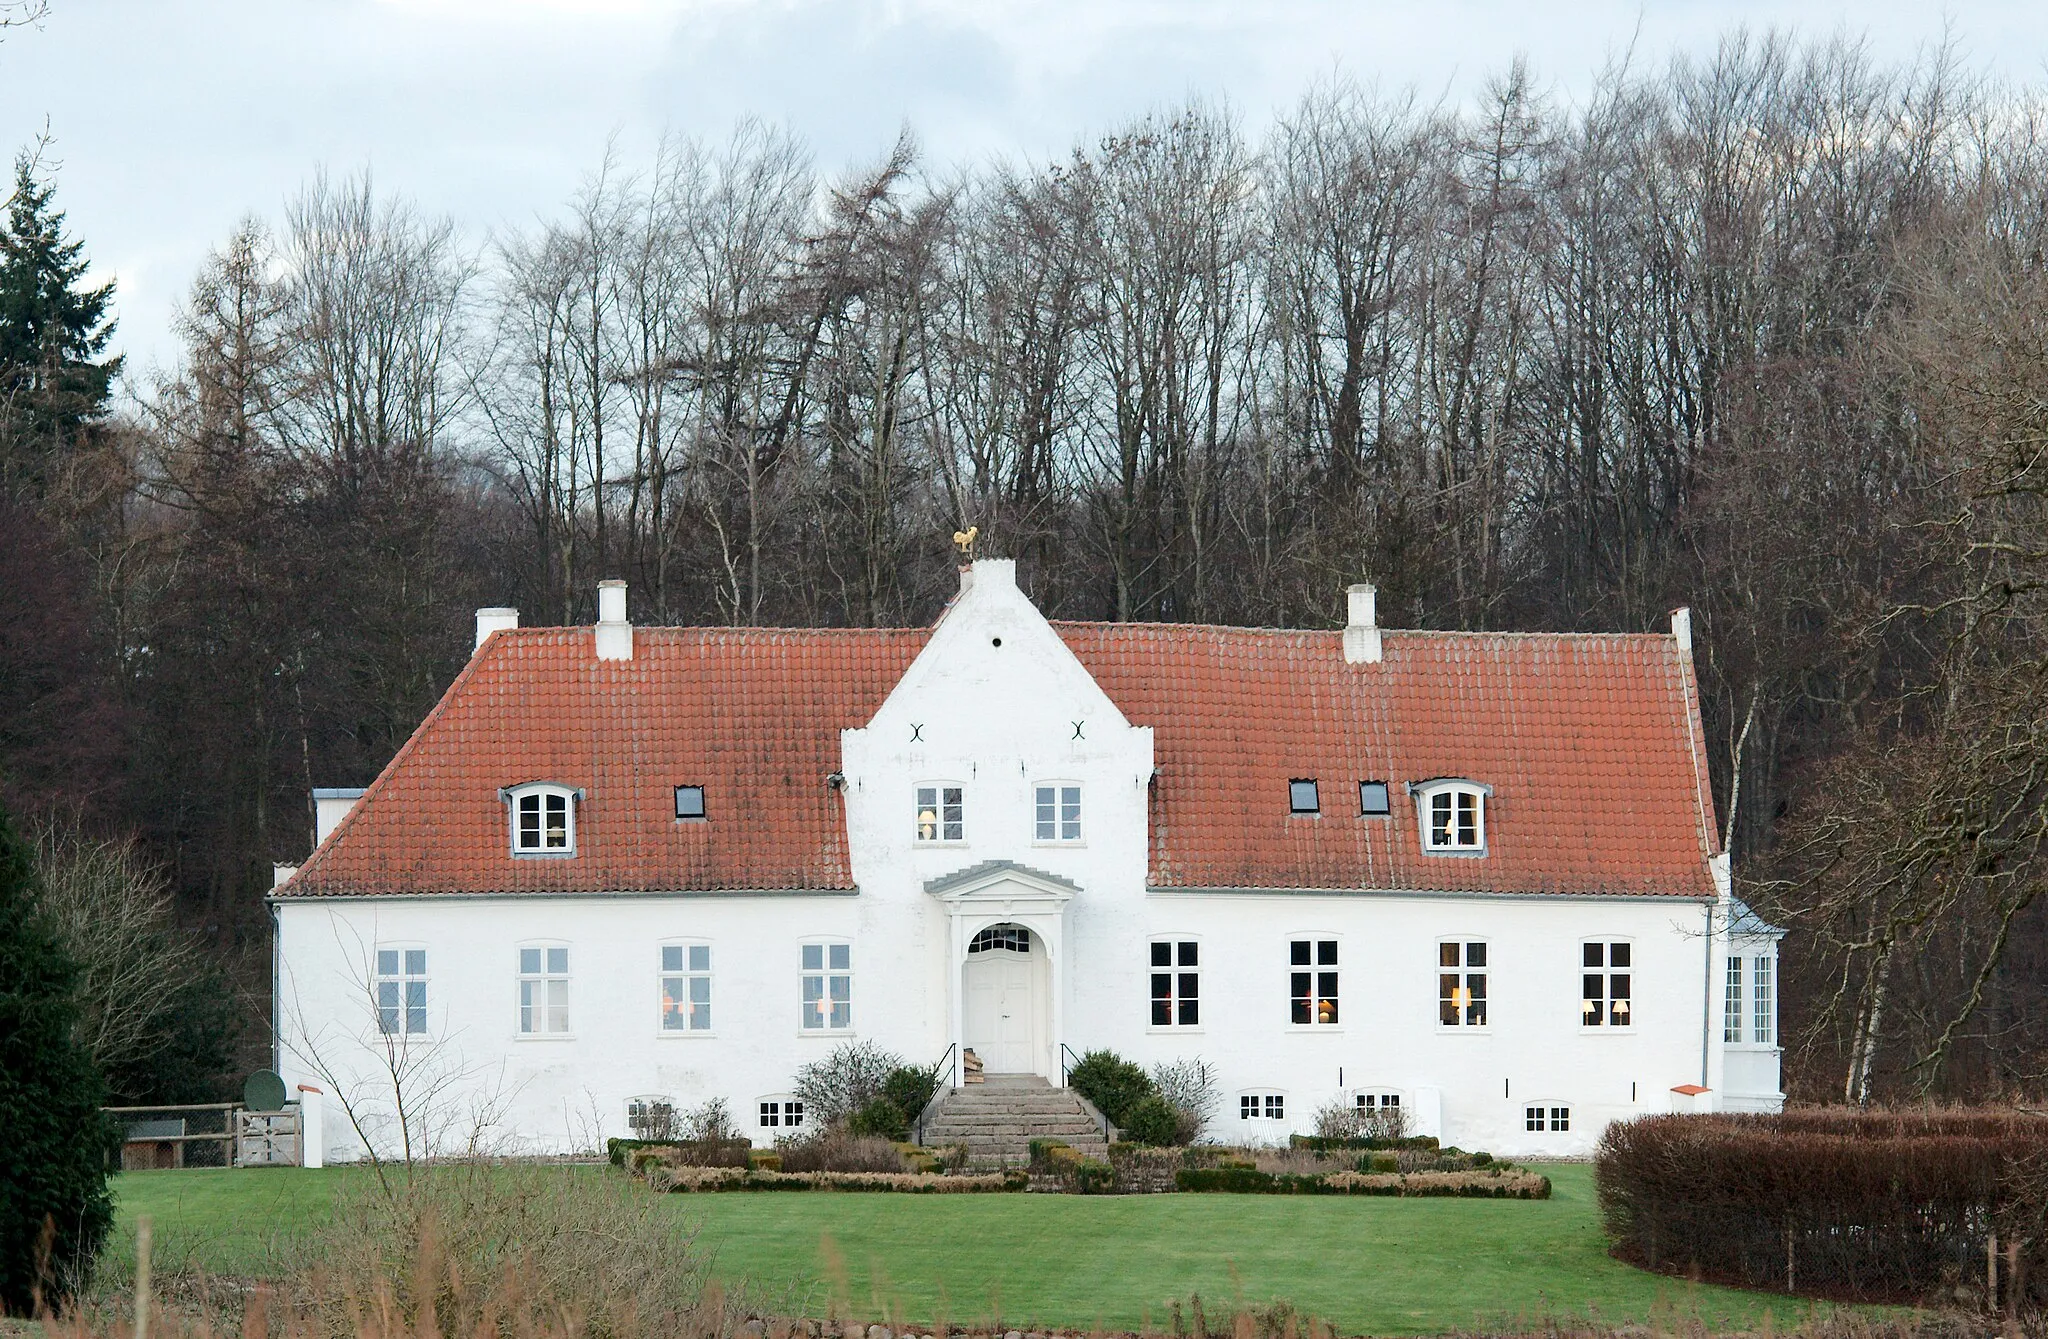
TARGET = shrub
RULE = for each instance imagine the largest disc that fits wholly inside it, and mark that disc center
(1113, 1084)
(1868, 1205)
(911, 1090)
(847, 1079)
(1152, 1121)
(881, 1118)
(710, 1123)
(831, 1150)
(53, 1140)
(1189, 1087)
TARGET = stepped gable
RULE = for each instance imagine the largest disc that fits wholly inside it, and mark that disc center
(753, 715)
(1589, 740)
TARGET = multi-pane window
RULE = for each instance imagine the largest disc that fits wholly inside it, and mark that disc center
(1604, 996)
(1379, 1102)
(1176, 983)
(543, 990)
(685, 987)
(1764, 1009)
(1461, 983)
(401, 990)
(941, 814)
(544, 822)
(1312, 981)
(827, 987)
(1261, 1106)
(1539, 1117)
(782, 1113)
(1013, 938)
(1455, 819)
(1731, 1002)
(1059, 813)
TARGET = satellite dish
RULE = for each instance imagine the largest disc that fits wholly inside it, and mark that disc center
(263, 1092)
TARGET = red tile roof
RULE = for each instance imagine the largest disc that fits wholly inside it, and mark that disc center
(1590, 743)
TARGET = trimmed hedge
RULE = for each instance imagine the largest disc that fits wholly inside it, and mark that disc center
(693, 1152)
(1871, 1206)
(700, 1180)
(1487, 1185)
(1318, 1144)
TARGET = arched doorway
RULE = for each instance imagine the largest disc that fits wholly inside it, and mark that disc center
(1007, 990)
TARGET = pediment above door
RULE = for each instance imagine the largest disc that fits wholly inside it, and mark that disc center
(1002, 883)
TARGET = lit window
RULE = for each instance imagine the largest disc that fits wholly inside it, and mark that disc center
(1540, 1117)
(1461, 983)
(1372, 799)
(401, 990)
(1453, 815)
(1176, 983)
(1302, 797)
(782, 1113)
(1312, 981)
(690, 802)
(827, 987)
(543, 819)
(941, 814)
(685, 987)
(1764, 1018)
(1731, 1002)
(1059, 813)
(543, 990)
(1261, 1106)
(1604, 998)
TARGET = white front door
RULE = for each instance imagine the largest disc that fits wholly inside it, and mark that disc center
(1004, 1000)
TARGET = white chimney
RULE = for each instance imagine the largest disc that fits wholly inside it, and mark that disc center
(330, 807)
(614, 633)
(1681, 628)
(280, 873)
(489, 621)
(1361, 627)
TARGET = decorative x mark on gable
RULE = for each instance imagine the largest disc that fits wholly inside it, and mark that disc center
(1077, 728)
(916, 733)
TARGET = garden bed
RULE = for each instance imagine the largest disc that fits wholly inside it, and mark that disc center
(1138, 1170)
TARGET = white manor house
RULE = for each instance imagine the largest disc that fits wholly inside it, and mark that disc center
(1476, 875)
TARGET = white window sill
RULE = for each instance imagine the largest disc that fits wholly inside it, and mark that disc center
(1175, 1030)
(543, 1036)
(1314, 1029)
(1071, 846)
(543, 855)
(1467, 852)
(938, 846)
(1607, 1030)
(686, 1034)
(825, 1032)
(1465, 1030)
(1753, 1048)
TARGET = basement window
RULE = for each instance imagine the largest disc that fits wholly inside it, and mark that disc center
(1261, 1106)
(690, 802)
(1544, 1117)
(1302, 797)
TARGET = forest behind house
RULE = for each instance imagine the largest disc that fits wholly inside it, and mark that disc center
(1763, 332)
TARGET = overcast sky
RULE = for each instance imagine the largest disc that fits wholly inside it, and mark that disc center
(173, 118)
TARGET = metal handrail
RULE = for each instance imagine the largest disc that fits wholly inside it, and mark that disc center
(1066, 1054)
(1109, 1132)
(939, 1093)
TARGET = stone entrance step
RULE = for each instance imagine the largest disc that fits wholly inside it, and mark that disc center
(996, 1120)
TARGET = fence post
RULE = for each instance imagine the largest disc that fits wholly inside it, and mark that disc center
(1991, 1271)
(1791, 1272)
(142, 1235)
(2012, 1278)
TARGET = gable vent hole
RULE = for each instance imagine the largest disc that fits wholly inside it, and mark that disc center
(995, 641)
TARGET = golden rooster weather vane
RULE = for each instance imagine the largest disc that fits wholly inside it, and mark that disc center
(963, 540)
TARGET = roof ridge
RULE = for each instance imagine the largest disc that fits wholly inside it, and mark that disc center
(1384, 631)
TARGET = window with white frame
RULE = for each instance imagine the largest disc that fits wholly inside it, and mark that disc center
(1547, 1118)
(1453, 816)
(1605, 983)
(1176, 983)
(1001, 938)
(1461, 983)
(401, 991)
(827, 987)
(1731, 1002)
(941, 814)
(543, 819)
(544, 990)
(1763, 1001)
(1312, 982)
(686, 987)
(1058, 817)
(781, 1113)
(1261, 1106)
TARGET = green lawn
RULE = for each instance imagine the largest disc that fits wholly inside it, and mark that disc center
(1376, 1266)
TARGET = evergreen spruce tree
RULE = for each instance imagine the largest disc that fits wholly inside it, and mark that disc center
(54, 1207)
(54, 384)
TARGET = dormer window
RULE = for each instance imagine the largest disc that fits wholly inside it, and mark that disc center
(543, 819)
(1453, 816)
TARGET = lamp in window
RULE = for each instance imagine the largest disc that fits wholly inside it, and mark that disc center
(1326, 1011)
(1589, 1008)
(1461, 997)
(1621, 1009)
(927, 825)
